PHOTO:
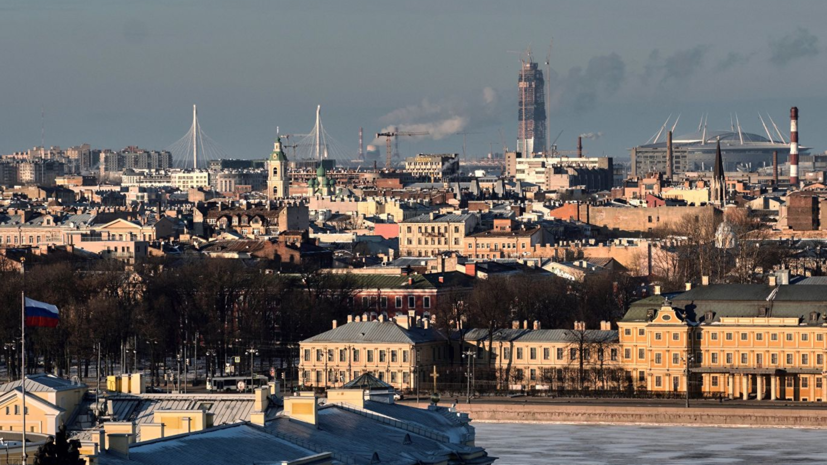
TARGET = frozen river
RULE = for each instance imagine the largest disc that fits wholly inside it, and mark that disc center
(541, 443)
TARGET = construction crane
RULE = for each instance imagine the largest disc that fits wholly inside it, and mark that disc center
(389, 135)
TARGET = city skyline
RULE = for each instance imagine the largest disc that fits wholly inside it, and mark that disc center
(123, 75)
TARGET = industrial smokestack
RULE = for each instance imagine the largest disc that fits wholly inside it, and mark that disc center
(794, 147)
(579, 146)
(669, 162)
(775, 167)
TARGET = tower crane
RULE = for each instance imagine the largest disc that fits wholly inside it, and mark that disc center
(389, 135)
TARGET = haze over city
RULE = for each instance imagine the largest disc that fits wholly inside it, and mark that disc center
(117, 73)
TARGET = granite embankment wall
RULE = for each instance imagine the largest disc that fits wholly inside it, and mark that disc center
(696, 416)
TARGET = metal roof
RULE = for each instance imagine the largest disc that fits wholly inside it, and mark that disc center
(367, 381)
(376, 332)
(449, 218)
(542, 335)
(43, 383)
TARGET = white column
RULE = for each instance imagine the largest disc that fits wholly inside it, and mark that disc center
(773, 387)
(760, 387)
(730, 382)
(745, 387)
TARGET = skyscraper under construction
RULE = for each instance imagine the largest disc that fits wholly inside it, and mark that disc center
(531, 132)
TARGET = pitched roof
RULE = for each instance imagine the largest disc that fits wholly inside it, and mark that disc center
(542, 335)
(376, 332)
(43, 383)
(419, 281)
(367, 381)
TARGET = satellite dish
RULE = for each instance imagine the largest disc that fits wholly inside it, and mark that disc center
(241, 385)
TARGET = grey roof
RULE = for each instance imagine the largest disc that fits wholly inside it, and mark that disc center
(376, 332)
(740, 300)
(141, 408)
(232, 444)
(43, 383)
(449, 218)
(542, 335)
(368, 381)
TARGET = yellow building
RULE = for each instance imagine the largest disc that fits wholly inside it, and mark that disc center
(740, 341)
(49, 400)
(397, 352)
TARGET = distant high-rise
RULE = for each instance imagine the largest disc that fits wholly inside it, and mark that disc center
(531, 130)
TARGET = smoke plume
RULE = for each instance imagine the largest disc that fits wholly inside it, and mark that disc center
(592, 135)
(799, 44)
(579, 90)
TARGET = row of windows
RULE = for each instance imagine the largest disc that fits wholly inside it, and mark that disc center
(560, 353)
(370, 355)
(434, 241)
(486, 245)
(368, 302)
(341, 376)
(804, 337)
(433, 229)
(729, 358)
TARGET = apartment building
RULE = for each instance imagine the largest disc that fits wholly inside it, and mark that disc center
(399, 352)
(428, 235)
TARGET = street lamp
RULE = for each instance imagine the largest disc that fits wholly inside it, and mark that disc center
(689, 359)
(469, 355)
(252, 352)
(178, 373)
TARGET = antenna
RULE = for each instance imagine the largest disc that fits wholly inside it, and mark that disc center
(780, 136)
(194, 137)
(740, 134)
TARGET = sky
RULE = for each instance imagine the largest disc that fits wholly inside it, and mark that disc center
(114, 73)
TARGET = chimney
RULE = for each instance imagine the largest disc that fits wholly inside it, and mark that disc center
(688, 286)
(775, 167)
(793, 147)
(704, 280)
(118, 444)
(381, 318)
(657, 290)
(260, 402)
(773, 280)
(525, 324)
(335, 323)
(350, 318)
(536, 324)
(441, 280)
(579, 147)
(425, 323)
(669, 156)
(515, 324)
(410, 280)
(357, 319)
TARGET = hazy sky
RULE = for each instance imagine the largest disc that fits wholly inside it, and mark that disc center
(118, 73)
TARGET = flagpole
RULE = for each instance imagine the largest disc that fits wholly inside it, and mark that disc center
(23, 351)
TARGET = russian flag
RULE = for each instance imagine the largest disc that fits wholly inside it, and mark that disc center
(41, 314)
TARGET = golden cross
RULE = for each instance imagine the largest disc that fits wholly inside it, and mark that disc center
(434, 375)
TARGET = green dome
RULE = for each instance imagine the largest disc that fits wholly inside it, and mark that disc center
(320, 171)
(278, 153)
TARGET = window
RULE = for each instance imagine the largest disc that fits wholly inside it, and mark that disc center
(426, 302)
(398, 301)
(306, 358)
(382, 356)
(658, 381)
(658, 359)
(393, 377)
(728, 336)
(532, 353)
(613, 354)
(641, 354)
(572, 354)
(676, 359)
(804, 337)
(586, 354)
(744, 359)
(370, 355)
(744, 336)
(355, 355)
(519, 353)
(365, 302)
(319, 355)
(789, 381)
(729, 359)
(759, 359)
(532, 375)
(714, 381)
(559, 353)
(819, 359)
(676, 336)
(714, 358)
(405, 379)
(641, 332)
(818, 382)
(507, 353)
(805, 382)
(774, 337)
(627, 332)
(713, 336)
(820, 337)
(411, 301)
(405, 356)
(789, 336)
(641, 376)
(627, 353)
(383, 302)
(699, 336)
(774, 359)
(394, 356)
(759, 336)
(546, 353)
(329, 355)
(789, 359)
(658, 336)
(805, 359)
(342, 355)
